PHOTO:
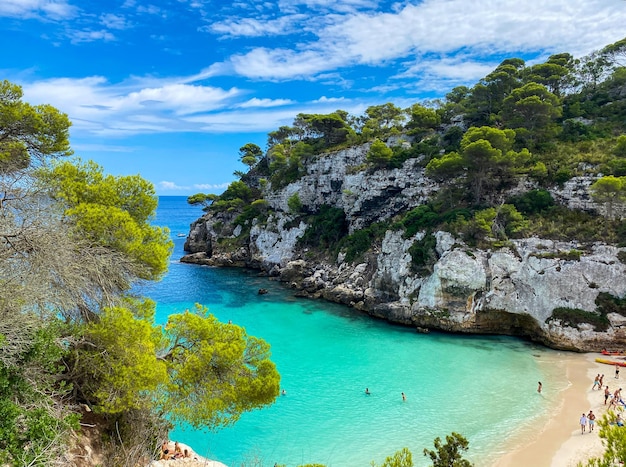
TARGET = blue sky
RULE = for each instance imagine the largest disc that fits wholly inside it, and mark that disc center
(171, 89)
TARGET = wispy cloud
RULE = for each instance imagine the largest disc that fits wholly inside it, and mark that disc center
(480, 29)
(253, 27)
(256, 102)
(49, 9)
(209, 186)
(111, 21)
(170, 186)
(140, 106)
(165, 186)
(76, 37)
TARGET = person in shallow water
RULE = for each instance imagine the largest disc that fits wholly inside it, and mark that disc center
(367, 391)
(539, 387)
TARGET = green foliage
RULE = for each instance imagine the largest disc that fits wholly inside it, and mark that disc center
(620, 146)
(285, 163)
(447, 166)
(452, 138)
(422, 120)
(423, 254)
(450, 453)
(361, 241)
(294, 204)
(420, 218)
(29, 134)
(574, 316)
(533, 201)
(609, 191)
(195, 370)
(204, 200)
(401, 458)
(381, 121)
(113, 212)
(534, 109)
(216, 371)
(250, 153)
(325, 228)
(613, 440)
(486, 161)
(257, 209)
(33, 423)
(608, 303)
(120, 366)
(379, 154)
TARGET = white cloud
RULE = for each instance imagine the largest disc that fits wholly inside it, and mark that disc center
(280, 64)
(253, 27)
(53, 9)
(256, 102)
(88, 147)
(328, 5)
(209, 186)
(164, 186)
(170, 186)
(141, 106)
(476, 28)
(77, 37)
(325, 99)
(112, 21)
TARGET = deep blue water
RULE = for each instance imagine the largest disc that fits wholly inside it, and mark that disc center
(481, 387)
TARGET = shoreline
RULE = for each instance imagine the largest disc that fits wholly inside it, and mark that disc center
(558, 442)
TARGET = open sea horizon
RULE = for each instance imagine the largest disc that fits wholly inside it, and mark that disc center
(483, 387)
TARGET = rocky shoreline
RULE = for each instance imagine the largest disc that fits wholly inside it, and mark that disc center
(513, 289)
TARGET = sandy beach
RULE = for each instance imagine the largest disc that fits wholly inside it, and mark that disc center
(558, 442)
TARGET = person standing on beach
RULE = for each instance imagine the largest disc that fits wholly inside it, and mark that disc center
(539, 387)
(596, 382)
(601, 381)
(583, 424)
(607, 393)
(616, 371)
(592, 420)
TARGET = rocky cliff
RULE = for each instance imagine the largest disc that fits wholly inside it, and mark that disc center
(513, 289)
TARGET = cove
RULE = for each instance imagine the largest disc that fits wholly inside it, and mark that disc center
(481, 387)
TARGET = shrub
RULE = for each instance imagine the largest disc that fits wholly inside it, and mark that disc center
(325, 228)
(294, 203)
(608, 303)
(423, 254)
(420, 218)
(533, 201)
(379, 154)
(575, 316)
(360, 241)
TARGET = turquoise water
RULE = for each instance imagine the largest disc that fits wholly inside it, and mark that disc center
(481, 387)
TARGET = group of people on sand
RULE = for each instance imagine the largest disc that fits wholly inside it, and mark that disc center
(613, 400)
(172, 454)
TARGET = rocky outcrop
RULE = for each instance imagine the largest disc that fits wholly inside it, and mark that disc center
(510, 290)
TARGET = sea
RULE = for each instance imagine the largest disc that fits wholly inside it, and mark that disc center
(482, 387)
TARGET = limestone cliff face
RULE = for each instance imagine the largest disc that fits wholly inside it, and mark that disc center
(512, 290)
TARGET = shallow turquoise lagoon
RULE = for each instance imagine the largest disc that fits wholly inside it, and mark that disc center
(481, 387)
